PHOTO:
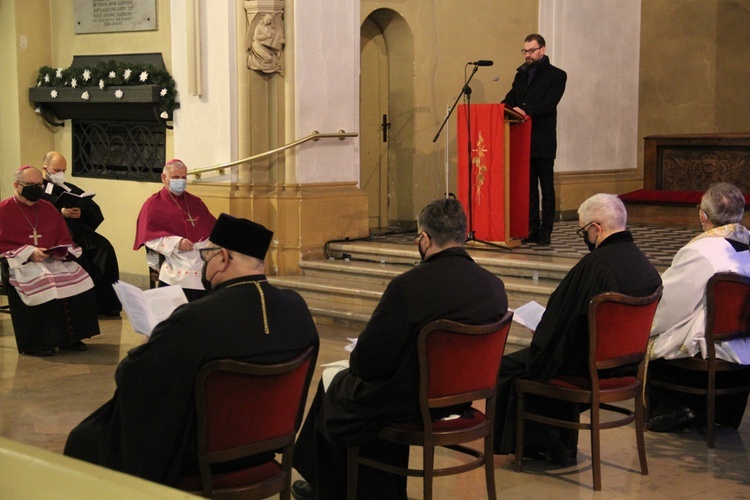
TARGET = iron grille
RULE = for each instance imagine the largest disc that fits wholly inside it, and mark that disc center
(132, 151)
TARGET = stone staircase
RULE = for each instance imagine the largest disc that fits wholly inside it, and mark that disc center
(344, 289)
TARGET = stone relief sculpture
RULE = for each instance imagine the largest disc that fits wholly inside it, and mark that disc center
(266, 45)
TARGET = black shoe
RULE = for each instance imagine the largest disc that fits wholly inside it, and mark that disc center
(672, 421)
(75, 346)
(302, 490)
(558, 454)
(43, 353)
(533, 237)
(544, 239)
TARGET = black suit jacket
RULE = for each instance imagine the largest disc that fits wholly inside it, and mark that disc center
(539, 100)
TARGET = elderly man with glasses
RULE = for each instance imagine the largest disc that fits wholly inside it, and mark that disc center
(52, 299)
(560, 343)
(537, 88)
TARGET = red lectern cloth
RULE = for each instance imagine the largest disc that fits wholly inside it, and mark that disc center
(487, 208)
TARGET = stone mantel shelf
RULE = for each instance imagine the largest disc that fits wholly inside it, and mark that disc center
(138, 102)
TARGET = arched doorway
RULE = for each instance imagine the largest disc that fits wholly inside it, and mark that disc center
(387, 119)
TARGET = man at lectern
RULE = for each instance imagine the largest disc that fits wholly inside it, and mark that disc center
(537, 88)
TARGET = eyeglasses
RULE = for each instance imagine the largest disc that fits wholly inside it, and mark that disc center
(202, 254)
(27, 184)
(580, 232)
(529, 51)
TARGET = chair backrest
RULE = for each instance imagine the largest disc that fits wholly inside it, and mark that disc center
(619, 329)
(244, 409)
(727, 308)
(459, 363)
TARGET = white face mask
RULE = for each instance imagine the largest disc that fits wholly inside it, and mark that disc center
(177, 186)
(57, 179)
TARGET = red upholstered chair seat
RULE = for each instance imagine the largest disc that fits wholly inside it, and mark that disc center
(619, 329)
(458, 364)
(727, 318)
(244, 410)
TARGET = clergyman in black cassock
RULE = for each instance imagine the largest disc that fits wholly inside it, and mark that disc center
(560, 342)
(98, 258)
(148, 428)
(382, 384)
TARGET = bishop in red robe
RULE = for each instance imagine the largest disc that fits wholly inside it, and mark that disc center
(173, 225)
(50, 295)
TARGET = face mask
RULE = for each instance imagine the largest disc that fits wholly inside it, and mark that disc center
(206, 282)
(177, 186)
(32, 193)
(57, 179)
(591, 245)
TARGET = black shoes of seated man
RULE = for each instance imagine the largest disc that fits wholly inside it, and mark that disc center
(558, 454)
(302, 490)
(674, 420)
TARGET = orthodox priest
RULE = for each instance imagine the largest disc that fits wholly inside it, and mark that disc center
(83, 216)
(148, 428)
(173, 225)
(560, 343)
(50, 295)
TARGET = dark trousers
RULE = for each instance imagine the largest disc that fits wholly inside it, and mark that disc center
(324, 464)
(541, 174)
(730, 408)
(536, 436)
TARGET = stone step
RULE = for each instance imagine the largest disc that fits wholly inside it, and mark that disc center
(345, 288)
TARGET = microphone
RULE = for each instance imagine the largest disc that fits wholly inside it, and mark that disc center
(482, 62)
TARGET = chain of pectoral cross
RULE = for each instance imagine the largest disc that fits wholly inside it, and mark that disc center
(34, 235)
(185, 210)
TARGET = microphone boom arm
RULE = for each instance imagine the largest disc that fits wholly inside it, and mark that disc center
(450, 112)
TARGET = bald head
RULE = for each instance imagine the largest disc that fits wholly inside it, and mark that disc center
(53, 163)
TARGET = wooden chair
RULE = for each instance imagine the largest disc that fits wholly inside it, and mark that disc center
(245, 410)
(619, 328)
(457, 364)
(727, 318)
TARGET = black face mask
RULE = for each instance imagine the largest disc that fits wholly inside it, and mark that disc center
(591, 246)
(206, 282)
(32, 192)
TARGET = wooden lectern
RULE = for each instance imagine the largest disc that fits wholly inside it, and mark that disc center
(498, 209)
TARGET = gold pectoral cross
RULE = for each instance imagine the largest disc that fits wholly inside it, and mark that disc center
(36, 237)
(191, 220)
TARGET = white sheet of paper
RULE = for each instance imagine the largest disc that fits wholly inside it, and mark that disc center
(529, 314)
(351, 345)
(330, 371)
(146, 309)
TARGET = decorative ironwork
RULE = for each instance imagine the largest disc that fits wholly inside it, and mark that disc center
(132, 151)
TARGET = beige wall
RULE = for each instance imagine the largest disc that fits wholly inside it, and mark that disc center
(694, 67)
(25, 137)
(446, 35)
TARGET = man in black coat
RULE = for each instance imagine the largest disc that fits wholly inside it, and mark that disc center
(560, 343)
(381, 385)
(148, 428)
(537, 88)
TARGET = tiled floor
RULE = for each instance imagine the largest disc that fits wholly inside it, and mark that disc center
(658, 243)
(41, 399)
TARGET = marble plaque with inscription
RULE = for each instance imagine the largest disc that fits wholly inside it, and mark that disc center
(104, 16)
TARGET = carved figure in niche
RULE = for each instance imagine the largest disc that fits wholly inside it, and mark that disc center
(264, 51)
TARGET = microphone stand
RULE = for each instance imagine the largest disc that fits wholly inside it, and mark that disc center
(466, 90)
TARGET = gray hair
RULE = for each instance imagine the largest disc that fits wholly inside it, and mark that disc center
(723, 203)
(444, 220)
(605, 209)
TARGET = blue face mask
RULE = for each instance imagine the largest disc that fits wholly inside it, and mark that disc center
(177, 186)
